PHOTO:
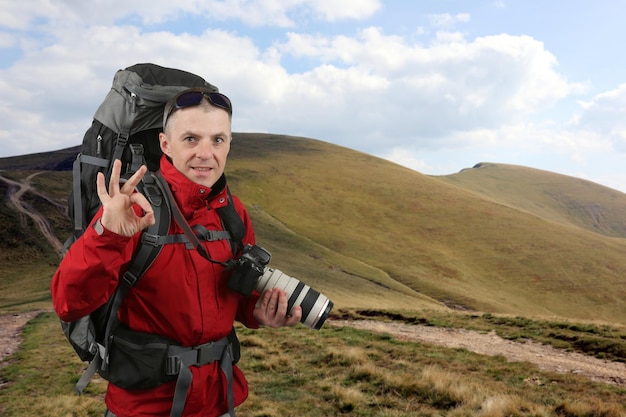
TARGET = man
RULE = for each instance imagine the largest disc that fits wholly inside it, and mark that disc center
(182, 296)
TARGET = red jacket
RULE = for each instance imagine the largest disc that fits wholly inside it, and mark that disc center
(181, 296)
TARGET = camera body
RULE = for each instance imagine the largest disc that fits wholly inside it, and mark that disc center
(251, 272)
(248, 269)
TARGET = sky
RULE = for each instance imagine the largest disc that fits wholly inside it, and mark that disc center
(435, 85)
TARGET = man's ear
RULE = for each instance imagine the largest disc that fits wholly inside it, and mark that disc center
(165, 144)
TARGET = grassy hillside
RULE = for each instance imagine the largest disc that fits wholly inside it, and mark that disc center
(554, 197)
(372, 234)
(439, 239)
(60, 160)
(382, 242)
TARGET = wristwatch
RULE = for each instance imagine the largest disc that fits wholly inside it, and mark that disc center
(97, 226)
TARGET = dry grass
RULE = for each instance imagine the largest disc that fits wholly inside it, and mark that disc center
(334, 371)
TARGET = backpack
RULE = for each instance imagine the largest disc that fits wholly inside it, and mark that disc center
(126, 126)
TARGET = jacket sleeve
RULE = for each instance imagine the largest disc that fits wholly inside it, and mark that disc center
(246, 304)
(88, 273)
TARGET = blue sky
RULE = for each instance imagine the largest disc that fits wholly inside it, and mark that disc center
(435, 85)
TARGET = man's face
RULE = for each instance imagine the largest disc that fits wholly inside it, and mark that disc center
(197, 140)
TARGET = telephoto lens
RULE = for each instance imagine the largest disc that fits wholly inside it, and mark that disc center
(315, 306)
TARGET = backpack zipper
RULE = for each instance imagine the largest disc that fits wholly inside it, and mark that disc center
(99, 146)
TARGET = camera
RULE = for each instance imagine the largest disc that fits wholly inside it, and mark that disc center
(251, 272)
(248, 268)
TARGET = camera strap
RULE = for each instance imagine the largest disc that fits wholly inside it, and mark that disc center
(182, 222)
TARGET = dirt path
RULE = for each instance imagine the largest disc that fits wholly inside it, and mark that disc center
(544, 357)
(15, 193)
(11, 326)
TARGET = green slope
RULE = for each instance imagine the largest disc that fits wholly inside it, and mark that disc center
(369, 233)
(563, 199)
(434, 237)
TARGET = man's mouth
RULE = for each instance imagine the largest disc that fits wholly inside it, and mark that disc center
(202, 169)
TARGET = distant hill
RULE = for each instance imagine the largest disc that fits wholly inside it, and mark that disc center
(369, 233)
(554, 197)
(61, 160)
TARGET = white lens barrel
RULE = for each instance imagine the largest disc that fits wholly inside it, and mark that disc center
(315, 306)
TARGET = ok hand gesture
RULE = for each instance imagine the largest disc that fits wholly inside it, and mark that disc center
(119, 215)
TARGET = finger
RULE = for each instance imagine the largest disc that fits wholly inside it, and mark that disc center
(114, 182)
(282, 301)
(274, 303)
(141, 201)
(295, 317)
(260, 309)
(130, 185)
(103, 195)
(264, 299)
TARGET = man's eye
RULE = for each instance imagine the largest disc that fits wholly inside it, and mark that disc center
(219, 139)
(190, 139)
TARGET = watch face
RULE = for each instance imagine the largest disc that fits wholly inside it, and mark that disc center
(98, 227)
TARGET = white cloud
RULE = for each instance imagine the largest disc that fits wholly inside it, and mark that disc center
(21, 15)
(408, 92)
(267, 13)
(398, 97)
(405, 158)
(285, 13)
(605, 113)
(7, 40)
(447, 20)
(378, 89)
(333, 10)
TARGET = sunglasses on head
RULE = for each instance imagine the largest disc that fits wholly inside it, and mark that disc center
(193, 98)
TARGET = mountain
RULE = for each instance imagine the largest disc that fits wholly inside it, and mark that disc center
(553, 197)
(61, 160)
(371, 234)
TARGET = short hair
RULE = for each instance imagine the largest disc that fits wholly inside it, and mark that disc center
(171, 105)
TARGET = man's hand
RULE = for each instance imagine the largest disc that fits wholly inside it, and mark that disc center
(271, 309)
(118, 215)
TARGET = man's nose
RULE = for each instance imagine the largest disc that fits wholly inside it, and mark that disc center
(204, 149)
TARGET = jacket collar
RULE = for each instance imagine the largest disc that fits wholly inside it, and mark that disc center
(189, 195)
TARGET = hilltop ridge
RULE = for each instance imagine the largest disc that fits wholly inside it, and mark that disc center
(554, 197)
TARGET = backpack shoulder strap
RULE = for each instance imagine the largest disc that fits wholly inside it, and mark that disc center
(144, 255)
(232, 223)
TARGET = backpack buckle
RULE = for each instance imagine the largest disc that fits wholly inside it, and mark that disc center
(136, 148)
(172, 365)
(150, 239)
(122, 139)
(153, 194)
(129, 278)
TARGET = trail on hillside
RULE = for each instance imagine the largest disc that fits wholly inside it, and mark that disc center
(15, 192)
(11, 326)
(545, 357)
